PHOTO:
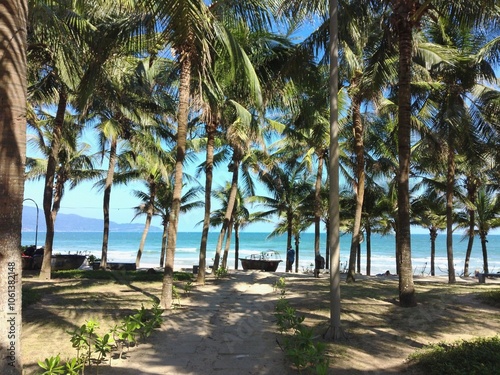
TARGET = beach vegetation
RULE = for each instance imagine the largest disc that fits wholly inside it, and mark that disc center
(93, 348)
(301, 344)
(221, 272)
(477, 356)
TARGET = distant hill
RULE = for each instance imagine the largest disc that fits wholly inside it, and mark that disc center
(76, 223)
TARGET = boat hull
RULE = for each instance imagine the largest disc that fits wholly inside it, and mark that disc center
(260, 264)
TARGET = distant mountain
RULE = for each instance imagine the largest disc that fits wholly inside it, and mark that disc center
(76, 223)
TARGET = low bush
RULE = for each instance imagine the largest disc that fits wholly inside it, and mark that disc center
(477, 356)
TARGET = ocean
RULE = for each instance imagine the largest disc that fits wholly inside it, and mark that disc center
(123, 247)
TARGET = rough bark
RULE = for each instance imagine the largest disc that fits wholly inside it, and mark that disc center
(48, 193)
(13, 21)
(404, 13)
(182, 125)
(335, 331)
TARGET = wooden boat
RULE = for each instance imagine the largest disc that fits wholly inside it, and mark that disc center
(265, 261)
(67, 261)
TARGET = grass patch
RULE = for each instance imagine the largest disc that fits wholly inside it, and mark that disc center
(30, 296)
(118, 275)
(491, 297)
(478, 356)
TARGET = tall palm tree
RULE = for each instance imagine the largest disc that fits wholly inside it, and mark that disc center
(407, 15)
(458, 119)
(13, 31)
(191, 30)
(488, 217)
(287, 182)
(429, 211)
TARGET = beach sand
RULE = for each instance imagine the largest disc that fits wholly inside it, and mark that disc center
(227, 326)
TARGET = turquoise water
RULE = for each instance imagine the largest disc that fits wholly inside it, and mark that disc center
(123, 248)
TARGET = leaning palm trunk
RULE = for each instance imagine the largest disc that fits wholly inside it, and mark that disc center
(182, 124)
(360, 189)
(105, 203)
(53, 161)
(145, 232)
(230, 206)
(218, 250)
(228, 244)
(13, 16)
(149, 215)
(209, 167)
(470, 242)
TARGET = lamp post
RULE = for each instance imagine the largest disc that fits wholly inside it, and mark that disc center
(36, 227)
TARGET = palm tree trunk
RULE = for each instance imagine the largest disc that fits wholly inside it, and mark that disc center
(105, 203)
(450, 185)
(317, 203)
(163, 244)
(297, 245)
(485, 252)
(149, 216)
(228, 244)
(236, 246)
(360, 188)
(13, 25)
(218, 250)
(45, 272)
(335, 330)
(403, 18)
(209, 167)
(433, 233)
(368, 250)
(182, 125)
(470, 242)
(230, 203)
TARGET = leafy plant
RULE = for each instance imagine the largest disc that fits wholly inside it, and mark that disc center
(51, 366)
(188, 287)
(87, 341)
(221, 272)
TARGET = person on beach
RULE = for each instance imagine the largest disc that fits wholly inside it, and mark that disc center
(290, 258)
(386, 273)
(319, 264)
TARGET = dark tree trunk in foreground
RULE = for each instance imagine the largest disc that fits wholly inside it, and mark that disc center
(13, 21)
(404, 13)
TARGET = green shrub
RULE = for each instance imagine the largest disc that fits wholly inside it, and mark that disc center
(478, 356)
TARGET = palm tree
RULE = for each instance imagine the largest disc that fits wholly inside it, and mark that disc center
(488, 217)
(287, 182)
(13, 30)
(429, 211)
(74, 163)
(191, 30)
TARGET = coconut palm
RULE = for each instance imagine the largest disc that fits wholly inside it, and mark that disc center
(191, 28)
(287, 182)
(156, 201)
(429, 211)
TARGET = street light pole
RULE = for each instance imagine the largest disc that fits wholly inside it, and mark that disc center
(36, 227)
